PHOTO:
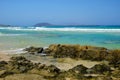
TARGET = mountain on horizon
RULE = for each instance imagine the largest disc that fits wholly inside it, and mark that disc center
(42, 24)
(4, 25)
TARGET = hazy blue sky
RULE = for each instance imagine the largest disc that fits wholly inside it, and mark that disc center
(29, 12)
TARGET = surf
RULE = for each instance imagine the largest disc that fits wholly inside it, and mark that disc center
(74, 29)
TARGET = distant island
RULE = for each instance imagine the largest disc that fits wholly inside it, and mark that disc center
(49, 24)
(4, 25)
(42, 24)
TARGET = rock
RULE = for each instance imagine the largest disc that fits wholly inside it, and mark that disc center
(61, 51)
(20, 64)
(103, 54)
(94, 55)
(77, 51)
(114, 58)
(69, 75)
(40, 66)
(100, 69)
(92, 48)
(15, 65)
(116, 73)
(44, 70)
(53, 69)
(2, 65)
(79, 69)
(4, 73)
(89, 55)
(18, 58)
(33, 50)
(47, 51)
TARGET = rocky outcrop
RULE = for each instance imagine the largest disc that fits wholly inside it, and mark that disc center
(4, 73)
(116, 73)
(34, 50)
(84, 52)
(80, 69)
(72, 51)
(77, 51)
(2, 65)
(79, 72)
(100, 69)
(114, 58)
(20, 64)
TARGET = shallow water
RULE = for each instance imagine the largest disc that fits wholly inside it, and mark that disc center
(17, 37)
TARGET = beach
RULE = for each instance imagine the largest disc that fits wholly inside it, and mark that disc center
(60, 40)
(4, 56)
(60, 62)
(60, 53)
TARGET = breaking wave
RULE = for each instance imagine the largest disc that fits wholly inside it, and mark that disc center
(62, 29)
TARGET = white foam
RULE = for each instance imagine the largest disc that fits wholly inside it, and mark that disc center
(14, 28)
(1, 34)
(77, 29)
(14, 51)
(62, 29)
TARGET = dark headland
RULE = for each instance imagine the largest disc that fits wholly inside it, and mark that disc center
(43, 24)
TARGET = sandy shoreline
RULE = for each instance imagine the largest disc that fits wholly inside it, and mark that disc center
(4, 56)
(62, 63)
(43, 66)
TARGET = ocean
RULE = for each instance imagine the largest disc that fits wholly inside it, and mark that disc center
(13, 38)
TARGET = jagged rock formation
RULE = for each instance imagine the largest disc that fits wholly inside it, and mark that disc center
(20, 66)
(34, 50)
(109, 71)
(80, 69)
(76, 51)
(100, 69)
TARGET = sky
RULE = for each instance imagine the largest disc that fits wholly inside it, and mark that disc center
(66, 12)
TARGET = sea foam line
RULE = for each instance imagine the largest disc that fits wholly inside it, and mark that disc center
(63, 29)
(77, 29)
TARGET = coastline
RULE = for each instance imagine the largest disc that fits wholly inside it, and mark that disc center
(61, 63)
(69, 66)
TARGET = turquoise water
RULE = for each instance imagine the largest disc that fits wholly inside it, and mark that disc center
(21, 37)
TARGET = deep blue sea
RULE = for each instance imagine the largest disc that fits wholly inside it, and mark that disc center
(12, 38)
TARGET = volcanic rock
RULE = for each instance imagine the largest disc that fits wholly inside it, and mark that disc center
(100, 69)
(33, 50)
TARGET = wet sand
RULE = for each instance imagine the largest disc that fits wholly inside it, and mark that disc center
(4, 56)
